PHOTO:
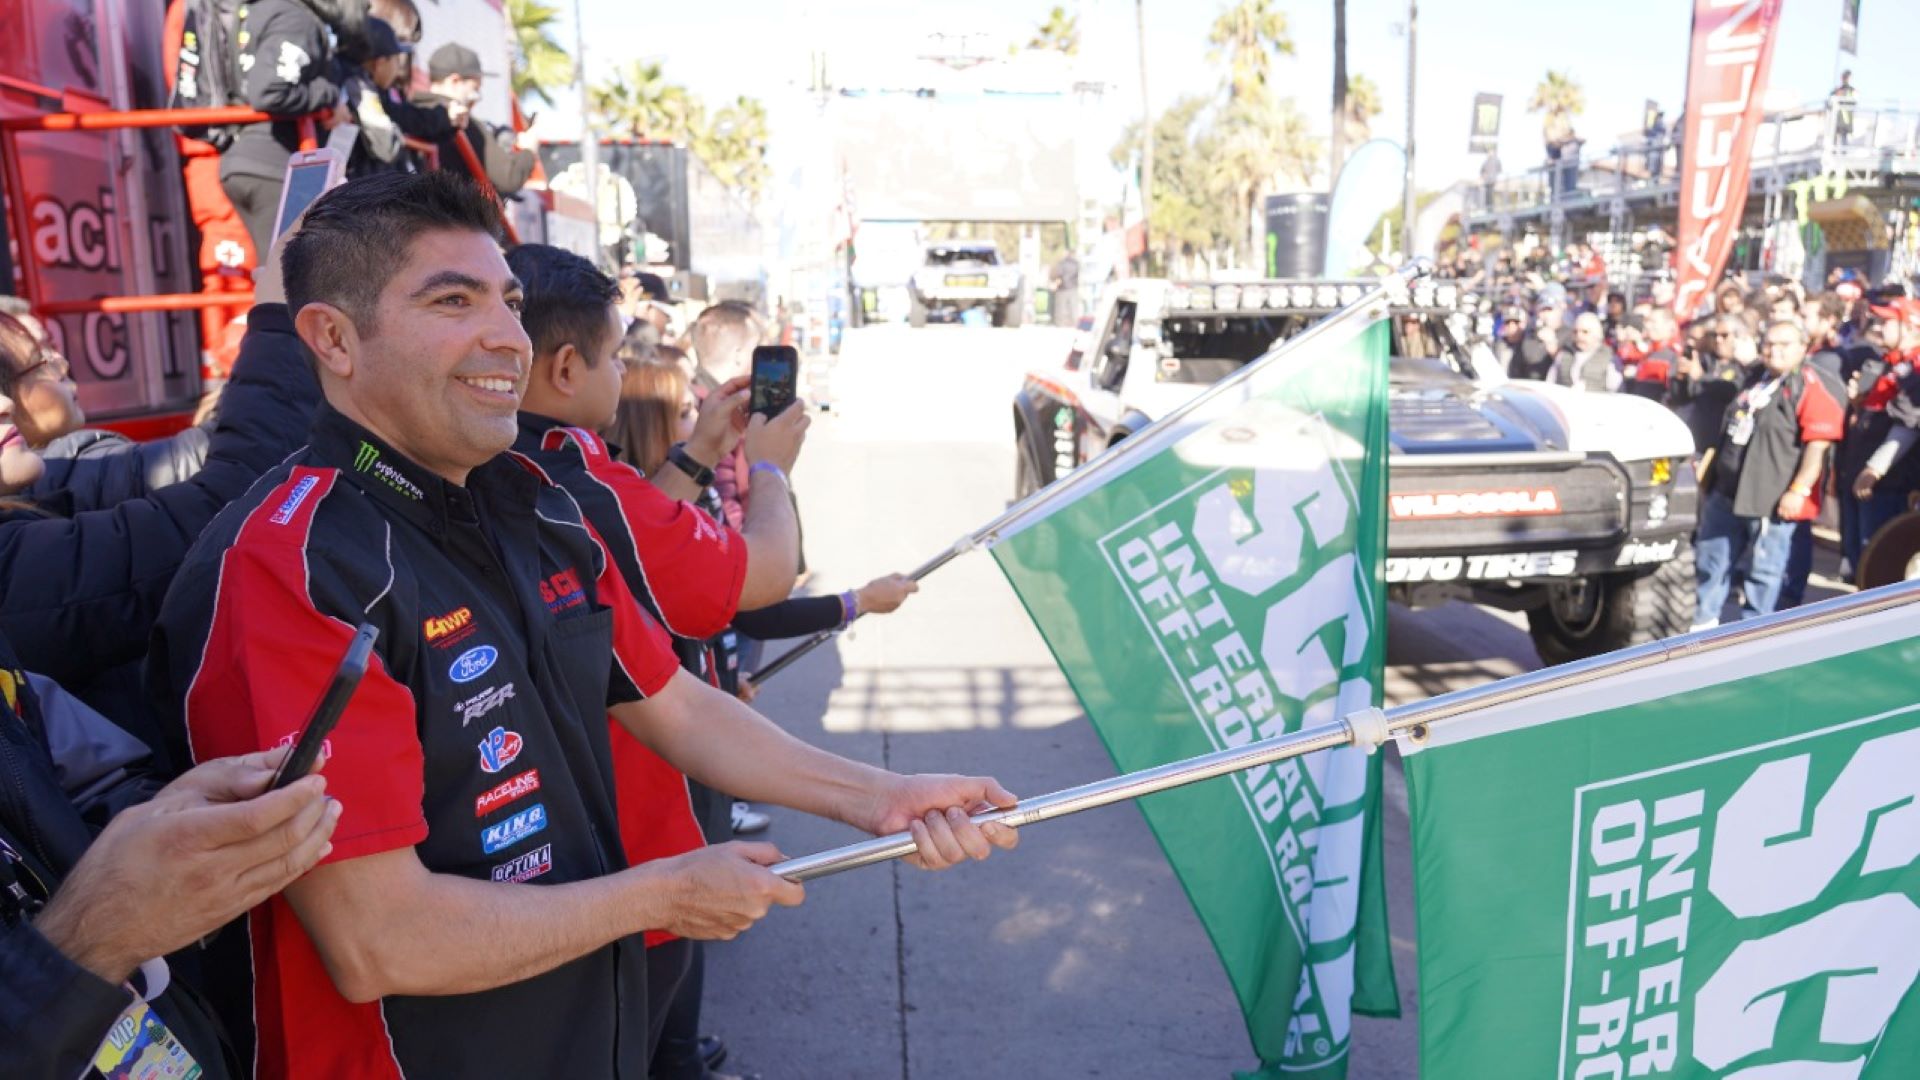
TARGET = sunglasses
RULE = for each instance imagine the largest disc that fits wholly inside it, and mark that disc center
(50, 359)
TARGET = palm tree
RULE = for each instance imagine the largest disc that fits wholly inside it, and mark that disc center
(1184, 217)
(1253, 141)
(1339, 126)
(1061, 32)
(1363, 104)
(734, 146)
(1245, 37)
(539, 62)
(1561, 99)
(639, 100)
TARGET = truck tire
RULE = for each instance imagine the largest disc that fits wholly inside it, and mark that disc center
(1614, 611)
(1026, 476)
(916, 310)
(1009, 314)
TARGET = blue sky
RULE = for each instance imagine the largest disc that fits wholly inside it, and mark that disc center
(1622, 52)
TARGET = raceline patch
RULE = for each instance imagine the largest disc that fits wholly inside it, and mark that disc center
(1517, 502)
(526, 867)
(506, 792)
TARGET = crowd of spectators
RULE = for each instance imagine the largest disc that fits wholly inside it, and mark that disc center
(499, 462)
(1795, 399)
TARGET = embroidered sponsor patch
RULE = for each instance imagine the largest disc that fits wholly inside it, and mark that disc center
(367, 460)
(483, 703)
(502, 835)
(498, 749)
(473, 663)
(452, 623)
(526, 867)
(517, 787)
(299, 495)
(563, 591)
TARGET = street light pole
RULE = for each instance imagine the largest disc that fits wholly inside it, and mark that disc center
(1406, 207)
(1146, 128)
(589, 143)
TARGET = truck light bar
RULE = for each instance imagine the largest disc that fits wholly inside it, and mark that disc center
(1292, 296)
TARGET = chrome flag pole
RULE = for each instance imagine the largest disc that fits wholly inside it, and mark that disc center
(1372, 727)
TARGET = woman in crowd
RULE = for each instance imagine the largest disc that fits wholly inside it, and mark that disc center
(657, 410)
(38, 404)
(83, 569)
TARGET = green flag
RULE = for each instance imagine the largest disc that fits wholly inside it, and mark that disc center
(1702, 869)
(1215, 580)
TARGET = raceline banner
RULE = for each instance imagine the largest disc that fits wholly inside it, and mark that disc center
(1226, 587)
(1726, 78)
(1703, 869)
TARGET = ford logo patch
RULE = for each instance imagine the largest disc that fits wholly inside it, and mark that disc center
(473, 663)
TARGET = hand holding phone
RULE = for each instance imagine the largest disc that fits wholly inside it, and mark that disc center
(776, 378)
(310, 174)
(327, 712)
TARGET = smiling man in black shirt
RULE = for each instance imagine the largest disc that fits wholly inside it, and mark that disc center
(476, 915)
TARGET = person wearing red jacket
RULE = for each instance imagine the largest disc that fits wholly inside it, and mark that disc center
(1880, 428)
(227, 256)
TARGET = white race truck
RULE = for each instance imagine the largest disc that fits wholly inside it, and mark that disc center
(1576, 508)
(962, 274)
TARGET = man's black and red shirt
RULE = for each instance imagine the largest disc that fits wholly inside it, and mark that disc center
(478, 736)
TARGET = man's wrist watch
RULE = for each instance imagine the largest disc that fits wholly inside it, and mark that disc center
(701, 474)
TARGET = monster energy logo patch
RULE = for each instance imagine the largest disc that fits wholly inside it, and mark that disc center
(367, 460)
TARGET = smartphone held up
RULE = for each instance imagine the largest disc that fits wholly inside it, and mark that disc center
(776, 379)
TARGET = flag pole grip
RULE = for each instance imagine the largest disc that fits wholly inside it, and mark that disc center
(1412, 720)
(1085, 797)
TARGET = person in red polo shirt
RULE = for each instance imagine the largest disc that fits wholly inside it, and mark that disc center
(1763, 475)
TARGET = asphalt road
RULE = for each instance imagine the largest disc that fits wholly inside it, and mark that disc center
(1077, 955)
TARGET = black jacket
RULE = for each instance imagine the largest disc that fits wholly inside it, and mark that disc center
(508, 167)
(92, 468)
(80, 594)
(64, 771)
(503, 630)
(1703, 402)
(381, 146)
(286, 69)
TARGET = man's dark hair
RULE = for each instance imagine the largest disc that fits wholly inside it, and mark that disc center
(564, 301)
(355, 237)
(1832, 306)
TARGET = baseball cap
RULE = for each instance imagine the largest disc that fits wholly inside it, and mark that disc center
(382, 41)
(452, 59)
(1905, 309)
(655, 287)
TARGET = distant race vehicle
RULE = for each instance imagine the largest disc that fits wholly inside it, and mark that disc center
(1576, 508)
(962, 274)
